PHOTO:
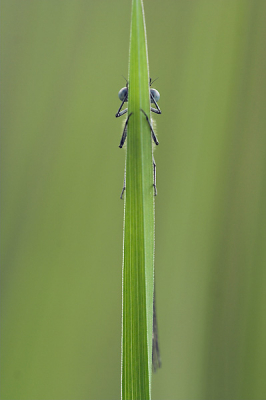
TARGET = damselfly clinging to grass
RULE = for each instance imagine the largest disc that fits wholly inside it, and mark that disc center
(154, 98)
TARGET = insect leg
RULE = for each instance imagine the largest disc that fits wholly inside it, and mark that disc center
(154, 176)
(118, 114)
(124, 135)
(156, 110)
(152, 131)
(124, 186)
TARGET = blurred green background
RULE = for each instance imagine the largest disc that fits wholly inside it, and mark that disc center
(62, 174)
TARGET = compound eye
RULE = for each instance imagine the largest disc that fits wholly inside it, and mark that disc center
(122, 94)
(155, 94)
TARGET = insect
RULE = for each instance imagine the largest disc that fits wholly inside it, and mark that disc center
(154, 98)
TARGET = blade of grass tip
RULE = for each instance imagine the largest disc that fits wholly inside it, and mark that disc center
(138, 260)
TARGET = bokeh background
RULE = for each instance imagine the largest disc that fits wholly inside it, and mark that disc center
(62, 174)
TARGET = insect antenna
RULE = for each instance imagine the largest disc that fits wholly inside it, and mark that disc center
(151, 82)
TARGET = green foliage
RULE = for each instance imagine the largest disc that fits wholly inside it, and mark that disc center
(61, 216)
(138, 281)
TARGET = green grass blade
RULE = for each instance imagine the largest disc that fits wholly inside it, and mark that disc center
(138, 277)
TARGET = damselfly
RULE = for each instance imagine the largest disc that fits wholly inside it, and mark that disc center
(154, 98)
